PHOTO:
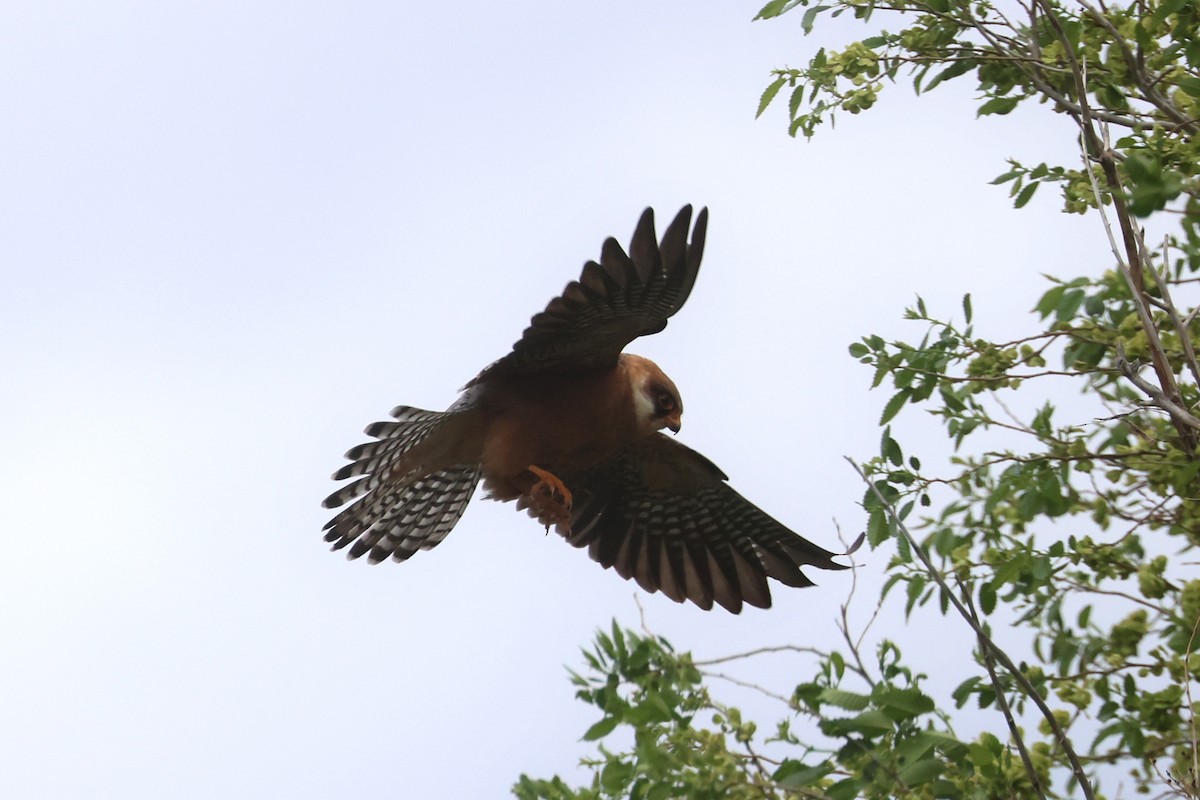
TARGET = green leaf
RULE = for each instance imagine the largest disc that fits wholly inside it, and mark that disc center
(1191, 53)
(1185, 475)
(987, 598)
(878, 528)
(998, 105)
(868, 722)
(1006, 177)
(894, 405)
(810, 17)
(775, 8)
(963, 691)
(900, 704)
(920, 772)
(1049, 301)
(795, 101)
(615, 775)
(966, 304)
(891, 450)
(601, 729)
(916, 585)
(838, 662)
(845, 789)
(1069, 304)
(768, 95)
(952, 71)
(1025, 194)
(843, 699)
(795, 774)
(1189, 85)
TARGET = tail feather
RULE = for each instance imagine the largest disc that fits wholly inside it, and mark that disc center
(438, 501)
(345, 493)
(412, 425)
(396, 509)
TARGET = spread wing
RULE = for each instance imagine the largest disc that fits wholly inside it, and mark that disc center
(663, 515)
(622, 297)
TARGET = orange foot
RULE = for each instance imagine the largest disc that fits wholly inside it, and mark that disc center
(550, 499)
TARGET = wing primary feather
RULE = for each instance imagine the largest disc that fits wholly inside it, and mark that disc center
(726, 593)
(617, 264)
(695, 560)
(782, 569)
(597, 282)
(616, 300)
(695, 252)
(643, 248)
(670, 571)
(632, 546)
(752, 580)
(673, 248)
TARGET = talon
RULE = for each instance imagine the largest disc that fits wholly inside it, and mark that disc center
(550, 484)
(550, 498)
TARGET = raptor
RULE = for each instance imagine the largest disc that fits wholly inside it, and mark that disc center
(571, 428)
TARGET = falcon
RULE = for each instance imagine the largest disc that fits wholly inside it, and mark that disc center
(571, 428)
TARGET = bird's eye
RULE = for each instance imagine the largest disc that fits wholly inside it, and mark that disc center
(665, 403)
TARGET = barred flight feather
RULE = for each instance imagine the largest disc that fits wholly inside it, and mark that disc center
(401, 520)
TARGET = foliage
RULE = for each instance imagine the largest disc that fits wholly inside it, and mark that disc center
(1073, 524)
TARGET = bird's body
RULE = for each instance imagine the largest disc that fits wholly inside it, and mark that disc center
(570, 427)
(561, 422)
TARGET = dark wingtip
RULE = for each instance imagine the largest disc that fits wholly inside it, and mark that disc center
(643, 247)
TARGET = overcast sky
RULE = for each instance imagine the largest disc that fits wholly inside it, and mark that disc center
(232, 234)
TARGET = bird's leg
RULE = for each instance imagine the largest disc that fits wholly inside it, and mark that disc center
(550, 498)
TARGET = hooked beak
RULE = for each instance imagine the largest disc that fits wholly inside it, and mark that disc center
(675, 422)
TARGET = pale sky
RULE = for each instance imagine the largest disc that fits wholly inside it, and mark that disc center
(233, 234)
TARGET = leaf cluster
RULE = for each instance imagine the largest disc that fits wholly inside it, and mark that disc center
(644, 688)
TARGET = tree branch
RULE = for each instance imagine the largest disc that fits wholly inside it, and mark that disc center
(1002, 701)
(1030, 690)
(1179, 415)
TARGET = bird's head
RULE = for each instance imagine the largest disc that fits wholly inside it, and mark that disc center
(656, 401)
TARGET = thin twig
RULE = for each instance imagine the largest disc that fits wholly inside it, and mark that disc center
(782, 648)
(747, 685)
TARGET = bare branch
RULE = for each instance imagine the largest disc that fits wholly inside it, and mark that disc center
(748, 685)
(783, 648)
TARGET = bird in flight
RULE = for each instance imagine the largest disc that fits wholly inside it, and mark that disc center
(570, 427)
